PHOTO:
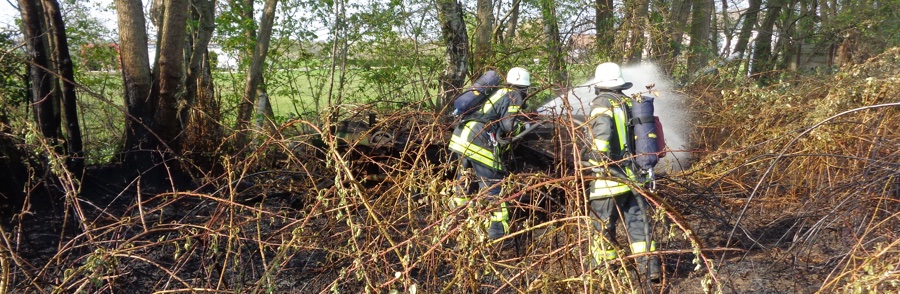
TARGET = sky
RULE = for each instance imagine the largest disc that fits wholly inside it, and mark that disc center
(100, 9)
(9, 12)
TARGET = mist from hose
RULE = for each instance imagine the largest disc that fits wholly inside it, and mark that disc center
(671, 107)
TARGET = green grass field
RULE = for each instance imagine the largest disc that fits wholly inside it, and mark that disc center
(293, 93)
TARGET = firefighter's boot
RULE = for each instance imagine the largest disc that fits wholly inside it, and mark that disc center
(649, 266)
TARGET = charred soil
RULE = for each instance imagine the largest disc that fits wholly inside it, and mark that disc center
(799, 194)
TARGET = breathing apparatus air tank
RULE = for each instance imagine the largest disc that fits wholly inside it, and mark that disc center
(646, 136)
(476, 94)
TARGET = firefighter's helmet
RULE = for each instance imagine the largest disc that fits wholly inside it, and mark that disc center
(518, 76)
(609, 76)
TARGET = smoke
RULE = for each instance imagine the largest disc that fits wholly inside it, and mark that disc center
(670, 106)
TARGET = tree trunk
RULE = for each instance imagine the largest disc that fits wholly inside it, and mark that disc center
(265, 117)
(713, 42)
(750, 19)
(136, 77)
(456, 42)
(726, 25)
(74, 144)
(154, 99)
(513, 24)
(203, 13)
(264, 103)
(203, 130)
(789, 43)
(42, 97)
(729, 35)
(604, 21)
(806, 28)
(638, 22)
(657, 31)
(338, 70)
(483, 28)
(257, 63)
(170, 68)
(762, 53)
(250, 25)
(157, 14)
(508, 22)
(700, 24)
(677, 20)
(244, 10)
(556, 55)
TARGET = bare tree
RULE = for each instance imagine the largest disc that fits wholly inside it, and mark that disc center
(678, 18)
(506, 26)
(257, 63)
(203, 14)
(788, 44)
(484, 27)
(637, 23)
(170, 70)
(339, 50)
(513, 23)
(749, 23)
(456, 42)
(153, 128)
(726, 24)
(136, 76)
(604, 21)
(263, 104)
(555, 53)
(762, 46)
(36, 42)
(203, 110)
(700, 27)
(67, 76)
(668, 22)
(49, 62)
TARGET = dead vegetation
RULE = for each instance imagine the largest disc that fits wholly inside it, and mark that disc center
(806, 173)
(795, 190)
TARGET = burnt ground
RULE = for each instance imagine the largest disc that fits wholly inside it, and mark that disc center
(377, 218)
(207, 238)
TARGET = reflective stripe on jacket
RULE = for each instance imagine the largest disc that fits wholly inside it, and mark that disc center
(464, 142)
(609, 139)
(497, 116)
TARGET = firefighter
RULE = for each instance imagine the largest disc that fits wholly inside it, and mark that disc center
(609, 157)
(478, 142)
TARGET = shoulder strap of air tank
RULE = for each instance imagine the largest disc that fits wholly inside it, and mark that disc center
(612, 97)
(641, 120)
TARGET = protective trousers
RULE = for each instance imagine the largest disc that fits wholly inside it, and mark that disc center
(631, 209)
(488, 179)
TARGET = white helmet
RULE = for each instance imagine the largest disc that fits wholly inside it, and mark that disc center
(518, 76)
(609, 76)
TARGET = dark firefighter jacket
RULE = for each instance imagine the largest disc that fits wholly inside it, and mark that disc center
(609, 144)
(497, 117)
